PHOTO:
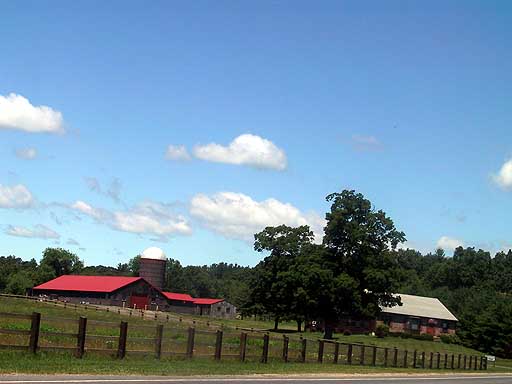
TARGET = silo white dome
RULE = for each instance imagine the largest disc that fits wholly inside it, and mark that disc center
(154, 253)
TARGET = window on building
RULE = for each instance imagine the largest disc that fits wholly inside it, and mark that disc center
(227, 309)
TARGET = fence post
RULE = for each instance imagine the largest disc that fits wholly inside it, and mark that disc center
(243, 345)
(34, 332)
(431, 363)
(349, 354)
(123, 335)
(465, 361)
(218, 345)
(452, 363)
(445, 360)
(438, 360)
(423, 360)
(386, 357)
(405, 358)
(320, 351)
(470, 362)
(361, 358)
(264, 355)
(303, 350)
(481, 362)
(80, 342)
(336, 352)
(158, 340)
(395, 358)
(286, 342)
(190, 342)
(414, 358)
(374, 356)
(458, 361)
(485, 363)
(476, 362)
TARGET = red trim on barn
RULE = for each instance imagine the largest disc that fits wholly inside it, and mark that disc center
(105, 284)
(178, 296)
(207, 301)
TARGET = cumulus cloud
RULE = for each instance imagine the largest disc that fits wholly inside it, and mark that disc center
(37, 232)
(16, 196)
(504, 177)
(26, 153)
(246, 149)
(177, 152)
(16, 112)
(364, 143)
(449, 243)
(144, 218)
(238, 216)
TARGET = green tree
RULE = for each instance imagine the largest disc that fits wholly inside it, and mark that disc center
(19, 282)
(276, 281)
(61, 261)
(359, 241)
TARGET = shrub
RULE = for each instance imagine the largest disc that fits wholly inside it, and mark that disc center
(347, 332)
(450, 339)
(381, 331)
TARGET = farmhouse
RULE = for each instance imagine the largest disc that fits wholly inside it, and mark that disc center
(418, 314)
(143, 292)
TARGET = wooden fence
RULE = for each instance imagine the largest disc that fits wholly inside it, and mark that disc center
(82, 336)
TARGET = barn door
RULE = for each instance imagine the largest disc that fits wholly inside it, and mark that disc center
(139, 301)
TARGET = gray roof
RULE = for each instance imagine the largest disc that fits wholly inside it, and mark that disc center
(420, 306)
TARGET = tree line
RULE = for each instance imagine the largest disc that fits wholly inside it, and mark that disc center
(355, 271)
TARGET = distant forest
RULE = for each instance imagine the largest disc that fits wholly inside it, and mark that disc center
(357, 267)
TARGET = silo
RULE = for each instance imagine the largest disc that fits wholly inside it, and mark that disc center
(152, 266)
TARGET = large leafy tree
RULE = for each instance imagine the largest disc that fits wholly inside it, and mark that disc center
(61, 262)
(276, 279)
(359, 241)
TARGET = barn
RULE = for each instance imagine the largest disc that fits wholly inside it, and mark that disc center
(143, 292)
(419, 314)
(416, 315)
(121, 291)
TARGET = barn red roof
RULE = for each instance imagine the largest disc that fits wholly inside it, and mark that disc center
(178, 296)
(87, 283)
(207, 301)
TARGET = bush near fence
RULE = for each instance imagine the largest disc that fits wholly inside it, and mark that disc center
(81, 336)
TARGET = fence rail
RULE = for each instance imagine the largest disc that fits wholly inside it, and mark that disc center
(163, 340)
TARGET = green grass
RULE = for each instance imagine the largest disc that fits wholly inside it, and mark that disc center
(141, 333)
(54, 363)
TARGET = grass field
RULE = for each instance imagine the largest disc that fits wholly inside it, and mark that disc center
(103, 332)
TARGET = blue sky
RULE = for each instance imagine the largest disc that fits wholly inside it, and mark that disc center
(191, 126)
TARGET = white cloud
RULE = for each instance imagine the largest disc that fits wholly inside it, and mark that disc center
(238, 216)
(98, 214)
(17, 196)
(449, 243)
(26, 153)
(365, 143)
(144, 218)
(504, 177)
(39, 231)
(246, 149)
(177, 152)
(16, 112)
